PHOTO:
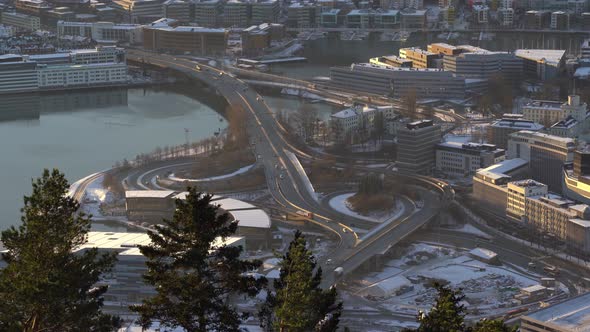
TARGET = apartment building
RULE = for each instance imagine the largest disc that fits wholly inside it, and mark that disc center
(179, 10)
(464, 159)
(237, 13)
(303, 15)
(265, 11)
(518, 192)
(208, 13)
(551, 112)
(372, 18)
(416, 144)
(21, 21)
(413, 18)
(560, 20)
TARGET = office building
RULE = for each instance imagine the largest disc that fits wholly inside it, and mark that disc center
(179, 10)
(518, 192)
(547, 155)
(577, 176)
(570, 315)
(185, 39)
(399, 82)
(17, 74)
(464, 159)
(542, 64)
(444, 49)
(208, 13)
(481, 14)
(81, 75)
(237, 13)
(416, 144)
(419, 57)
(330, 18)
(258, 37)
(413, 19)
(483, 64)
(102, 32)
(32, 7)
(21, 21)
(499, 131)
(391, 61)
(537, 19)
(550, 112)
(560, 20)
(265, 11)
(303, 15)
(577, 7)
(490, 189)
(139, 11)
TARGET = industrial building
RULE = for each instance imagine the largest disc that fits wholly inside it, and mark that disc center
(416, 145)
(155, 205)
(399, 82)
(464, 159)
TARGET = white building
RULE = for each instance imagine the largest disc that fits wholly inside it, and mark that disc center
(21, 21)
(463, 159)
(17, 75)
(567, 119)
(349, 122)
(63, 76)
(518, 192)
(102, 32)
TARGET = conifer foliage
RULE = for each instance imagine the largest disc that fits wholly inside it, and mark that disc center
(298, 303)
(46, 285)
(195, 277)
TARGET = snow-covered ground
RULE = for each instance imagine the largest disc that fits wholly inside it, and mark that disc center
(404, 284)
(340, 204)
(470, 229)
(214, 178)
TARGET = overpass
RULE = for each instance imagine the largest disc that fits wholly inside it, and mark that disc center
(285, 182)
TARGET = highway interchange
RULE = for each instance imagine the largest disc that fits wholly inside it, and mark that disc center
(290, 188)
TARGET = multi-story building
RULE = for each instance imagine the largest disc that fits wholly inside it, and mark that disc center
(81, 75)
(518, 192)
(560, 20)
(139, 11)
(265, 11)
(499, 131)
(419, 57)
(258, 37)
(303, 15)
(577, 176)
(506, 16)
(537, 19)
(21, 21)
(444, 49)
(549, 112)
(577, 7)
(481, 14)
(391, 61)
(413, 18)
(490, 189)
(416, 143)
(32, 7)
(371, 18)
(485, 65)
(542, 64)
(464, 159)
(399, 82)
(182, 39)
(237, 13)
(17, 74)
(352, 123)
(106, 32)
(208, 13)
(329, 18)
(179, 10)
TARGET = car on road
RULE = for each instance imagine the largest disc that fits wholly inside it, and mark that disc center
(197, 67)
(329, 261)
(532, 265)
(282, 176)
(343, 230)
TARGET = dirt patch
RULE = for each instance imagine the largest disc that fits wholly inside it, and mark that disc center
(364, 203)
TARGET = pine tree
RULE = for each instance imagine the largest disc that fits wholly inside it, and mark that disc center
(45, 285)
(299, 304)
(195, 278)
(448, 315)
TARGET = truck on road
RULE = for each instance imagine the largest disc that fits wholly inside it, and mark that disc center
(338, 272)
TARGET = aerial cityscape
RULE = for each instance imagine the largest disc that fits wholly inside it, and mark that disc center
(296, 165)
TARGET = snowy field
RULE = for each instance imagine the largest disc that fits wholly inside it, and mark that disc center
(340, 204)
(404, 285)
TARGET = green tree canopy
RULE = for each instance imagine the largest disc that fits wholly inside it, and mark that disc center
(46, 286)
(194, 277)
(299, 304)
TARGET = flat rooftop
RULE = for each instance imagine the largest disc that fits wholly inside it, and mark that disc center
(552, 57)
(518, 124)
(506, 166)
(572, 314)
